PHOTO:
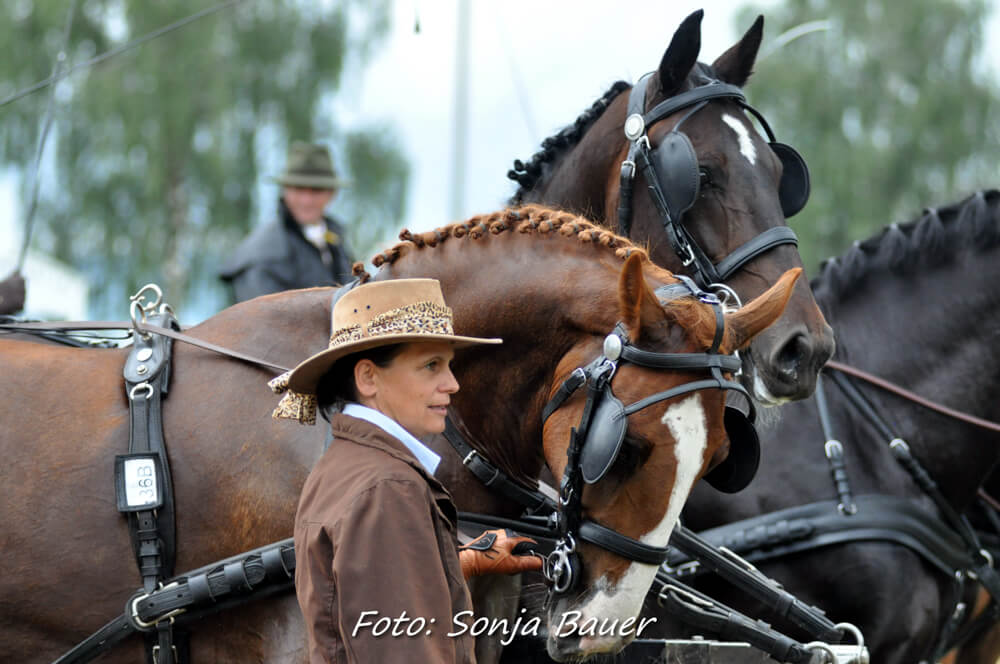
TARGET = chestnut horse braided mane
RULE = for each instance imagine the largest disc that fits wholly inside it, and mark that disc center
(527, 219)
(528, 174)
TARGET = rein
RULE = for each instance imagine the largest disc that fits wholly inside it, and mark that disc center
(142, 327)
(889, 386)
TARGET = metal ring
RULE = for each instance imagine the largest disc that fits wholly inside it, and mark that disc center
(823, 648)
(728, 293)
(141, 295)
(862, 657)
(143, 385)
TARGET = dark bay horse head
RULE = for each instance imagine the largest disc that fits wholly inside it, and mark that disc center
(559, 287)
(917, 304)
(725, 188)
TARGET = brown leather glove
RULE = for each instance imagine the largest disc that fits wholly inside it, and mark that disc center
(494, 552)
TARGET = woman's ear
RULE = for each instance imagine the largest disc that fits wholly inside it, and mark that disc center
(364, 379)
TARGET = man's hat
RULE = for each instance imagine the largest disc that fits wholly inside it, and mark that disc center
(379, 314)
(309, 165)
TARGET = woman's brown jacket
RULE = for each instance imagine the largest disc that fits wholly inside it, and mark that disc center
(376, 549)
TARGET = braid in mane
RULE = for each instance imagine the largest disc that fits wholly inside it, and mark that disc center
(528, 175)
(932, 239)
(527, 219)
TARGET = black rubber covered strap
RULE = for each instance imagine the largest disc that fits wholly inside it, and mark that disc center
(755, 584)
(772, 237)
(618, 544)
(710, 617)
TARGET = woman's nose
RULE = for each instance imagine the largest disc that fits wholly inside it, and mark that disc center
(450, 384)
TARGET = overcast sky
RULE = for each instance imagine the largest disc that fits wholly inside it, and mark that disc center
(533, 68)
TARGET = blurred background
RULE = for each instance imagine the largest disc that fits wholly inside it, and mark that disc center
(159, 138)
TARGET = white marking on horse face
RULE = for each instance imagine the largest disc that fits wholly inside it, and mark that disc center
(743, 134)
(687, 424)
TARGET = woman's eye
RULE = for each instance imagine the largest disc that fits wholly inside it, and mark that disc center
(706, 178)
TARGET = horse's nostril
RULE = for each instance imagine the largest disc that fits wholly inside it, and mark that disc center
(792, 355)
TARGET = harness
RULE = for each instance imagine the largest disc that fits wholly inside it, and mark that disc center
(673, 177)
(596, 441)
(144, 494)
(940, 535)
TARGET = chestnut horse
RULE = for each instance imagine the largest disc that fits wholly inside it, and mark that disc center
(552, 285)
(743, 195)
(919, 305)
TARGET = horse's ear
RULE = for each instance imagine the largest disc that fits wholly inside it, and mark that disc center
(681, 55)
(636, 301)
(752, 318)
(735, 65)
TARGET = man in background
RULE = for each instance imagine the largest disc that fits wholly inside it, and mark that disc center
(303, 247)
(11, 294)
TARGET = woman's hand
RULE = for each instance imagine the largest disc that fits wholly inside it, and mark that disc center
(498, 552)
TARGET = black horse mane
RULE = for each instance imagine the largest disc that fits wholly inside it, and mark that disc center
(528, 174)
(932, 239)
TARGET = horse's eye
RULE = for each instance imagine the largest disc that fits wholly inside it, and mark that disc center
(706, 178)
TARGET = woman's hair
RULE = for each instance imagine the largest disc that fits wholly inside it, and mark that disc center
(337, 386)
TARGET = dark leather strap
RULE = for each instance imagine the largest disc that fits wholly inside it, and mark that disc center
(715, 90)
(751, 581)
(680, 361)
(710, 617)
(816, 525)
(626, 547)
(772, 237)
(533, 501)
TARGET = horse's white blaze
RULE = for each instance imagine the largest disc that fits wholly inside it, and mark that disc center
(687, 424)
(743, 134)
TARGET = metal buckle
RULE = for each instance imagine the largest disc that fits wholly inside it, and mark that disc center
(468, 457)
(690, 254)
(156, 653)
(167, 616)
(141, 386)
(684, 569)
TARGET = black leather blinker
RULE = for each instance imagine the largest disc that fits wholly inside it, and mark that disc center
(604, 438)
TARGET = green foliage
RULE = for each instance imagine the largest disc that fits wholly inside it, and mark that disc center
(891, 106)
(157, 152)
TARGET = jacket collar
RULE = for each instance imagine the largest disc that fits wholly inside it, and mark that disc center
(365, 433)
(428, 458)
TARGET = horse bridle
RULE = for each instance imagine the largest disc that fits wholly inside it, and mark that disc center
(672, 174)
(596, 441)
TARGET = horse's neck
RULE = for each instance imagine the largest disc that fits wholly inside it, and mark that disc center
(934, 333)
(284, 328)
(580, 180)
(519, 288)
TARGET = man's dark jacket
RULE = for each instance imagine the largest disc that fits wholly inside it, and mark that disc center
(278, 257)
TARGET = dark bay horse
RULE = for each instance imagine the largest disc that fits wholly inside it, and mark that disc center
(919, 305)
(747, 185)
(552, 285)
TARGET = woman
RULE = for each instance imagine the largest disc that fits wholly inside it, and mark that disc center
(378, 574)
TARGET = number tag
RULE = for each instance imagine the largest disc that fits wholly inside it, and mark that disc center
(138, 482)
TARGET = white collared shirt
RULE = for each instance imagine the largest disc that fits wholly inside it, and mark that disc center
(427, 457)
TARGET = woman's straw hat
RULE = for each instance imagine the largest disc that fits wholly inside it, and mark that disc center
(379, 314)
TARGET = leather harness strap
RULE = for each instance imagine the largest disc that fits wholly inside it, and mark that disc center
(153, 530)
(889, 386)
(141, 327)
